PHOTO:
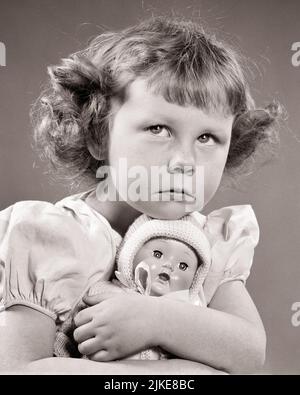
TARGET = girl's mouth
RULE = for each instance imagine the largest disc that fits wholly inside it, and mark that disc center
(178, 194)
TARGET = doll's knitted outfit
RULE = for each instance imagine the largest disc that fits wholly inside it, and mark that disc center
(144, 228)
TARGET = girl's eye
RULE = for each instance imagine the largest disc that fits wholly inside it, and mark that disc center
(157, 254)
(159, 130)
(207, 139)
(183, 266)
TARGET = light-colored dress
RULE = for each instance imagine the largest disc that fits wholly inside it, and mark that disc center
(50, 254)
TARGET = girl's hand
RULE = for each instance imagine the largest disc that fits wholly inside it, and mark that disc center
(107, 288)
(116, 326)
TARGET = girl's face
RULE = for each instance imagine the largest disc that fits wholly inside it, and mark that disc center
(168, 159)
(172, 265)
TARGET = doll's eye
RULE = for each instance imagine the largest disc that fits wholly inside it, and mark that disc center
(159, 130)
(157, 254)
(183, 266)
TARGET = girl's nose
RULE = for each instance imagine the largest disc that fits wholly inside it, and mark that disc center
(182, 161)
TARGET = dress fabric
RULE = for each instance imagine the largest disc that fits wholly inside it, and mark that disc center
(50, 254)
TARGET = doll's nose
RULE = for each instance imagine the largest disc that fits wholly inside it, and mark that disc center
(169, 265)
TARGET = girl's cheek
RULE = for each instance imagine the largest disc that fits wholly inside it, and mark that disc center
(213, 174)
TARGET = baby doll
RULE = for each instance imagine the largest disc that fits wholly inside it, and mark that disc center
(168, 258)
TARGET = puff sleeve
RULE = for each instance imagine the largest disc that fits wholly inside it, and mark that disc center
(46, 258)
(233, 233)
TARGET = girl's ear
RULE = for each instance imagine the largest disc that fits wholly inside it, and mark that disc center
(94, 150)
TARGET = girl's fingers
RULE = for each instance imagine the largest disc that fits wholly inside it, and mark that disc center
(83, 333)
(92, 300)
(88, 347)
(100, 356)
(83, 317)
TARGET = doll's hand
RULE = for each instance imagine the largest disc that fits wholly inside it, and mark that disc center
(116, 326)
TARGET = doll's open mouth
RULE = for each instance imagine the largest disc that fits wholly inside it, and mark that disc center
(164, 276)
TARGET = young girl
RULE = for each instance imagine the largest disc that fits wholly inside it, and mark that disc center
(161, 95)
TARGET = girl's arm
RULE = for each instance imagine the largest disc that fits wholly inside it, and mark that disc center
(84, 366)
(26, 346)
(228, 335)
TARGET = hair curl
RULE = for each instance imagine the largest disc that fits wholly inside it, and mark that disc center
(178, 60)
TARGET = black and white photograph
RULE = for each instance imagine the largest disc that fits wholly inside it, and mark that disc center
(149, 190)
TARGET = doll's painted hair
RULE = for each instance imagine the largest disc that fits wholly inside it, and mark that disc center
(176, 58)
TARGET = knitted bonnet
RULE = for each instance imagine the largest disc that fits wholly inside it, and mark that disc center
(145, 228)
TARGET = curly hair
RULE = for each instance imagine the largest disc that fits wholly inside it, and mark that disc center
(178, 60)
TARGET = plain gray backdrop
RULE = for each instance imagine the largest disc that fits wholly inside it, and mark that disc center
(38, 33)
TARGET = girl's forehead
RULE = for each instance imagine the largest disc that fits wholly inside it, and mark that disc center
(144, 101)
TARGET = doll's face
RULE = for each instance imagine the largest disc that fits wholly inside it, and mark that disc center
(172, 265)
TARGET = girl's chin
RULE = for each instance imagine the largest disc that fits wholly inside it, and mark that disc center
(165, 210)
